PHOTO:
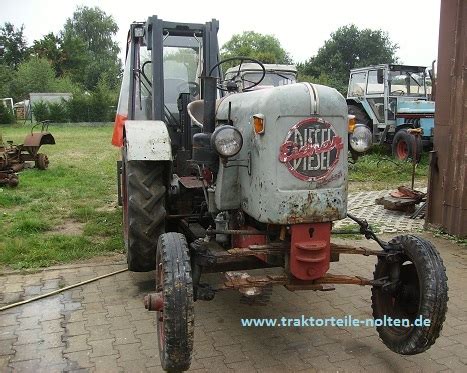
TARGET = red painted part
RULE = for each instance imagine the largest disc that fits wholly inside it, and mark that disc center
(310, 250)
(290, 150)
(402, 150)
(240, 241)
(208, 175)
(117, 136)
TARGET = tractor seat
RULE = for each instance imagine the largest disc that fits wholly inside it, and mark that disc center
(196, 112)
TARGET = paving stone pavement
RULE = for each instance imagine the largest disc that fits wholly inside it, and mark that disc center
(362, 204)
(103, 326)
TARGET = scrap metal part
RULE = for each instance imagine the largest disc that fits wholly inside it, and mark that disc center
(9, 178)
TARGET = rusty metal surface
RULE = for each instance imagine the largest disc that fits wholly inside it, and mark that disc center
(346, 249)
(191, 182)
(154, 301)
(9, 179)
(447, 188)
(238, 280)
(39, 139)
(242, 280)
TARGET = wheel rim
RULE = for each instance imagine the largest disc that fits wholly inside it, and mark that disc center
(402, 149)
(404, 301)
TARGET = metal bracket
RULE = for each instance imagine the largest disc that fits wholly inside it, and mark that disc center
(369, 234)
(226, 162)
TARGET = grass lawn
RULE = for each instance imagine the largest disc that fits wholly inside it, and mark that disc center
(67, 212)
(379, 170)
(70, 212)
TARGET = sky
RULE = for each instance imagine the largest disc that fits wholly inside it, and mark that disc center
(301, 26)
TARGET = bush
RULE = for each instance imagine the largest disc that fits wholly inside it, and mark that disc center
(96, 107)
(34, 75)
(40, 111)
(58, 112)
(78, 108)
(6, 114)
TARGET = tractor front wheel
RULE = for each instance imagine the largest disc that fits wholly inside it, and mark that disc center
(42, 161)
(405, 146)
(416, 301)
(143, 212)
(175, 322)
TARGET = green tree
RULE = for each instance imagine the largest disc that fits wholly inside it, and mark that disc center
(75, 57)
(6, 116)
(7, 77)
(89, 48)
(35, 75)
(265, 48)
(14, 43)
(348, 48)
(49, 47)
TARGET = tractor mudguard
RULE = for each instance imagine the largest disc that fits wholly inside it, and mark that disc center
(35, 140)
(147, 140)
(38, 139)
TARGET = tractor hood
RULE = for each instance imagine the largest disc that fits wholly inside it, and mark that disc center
(295, 171)
(415, 106)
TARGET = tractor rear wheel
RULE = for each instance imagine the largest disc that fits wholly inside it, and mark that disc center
(405, 145)
(175, 322)
(420, 295)
(143, 212)
(42, 161)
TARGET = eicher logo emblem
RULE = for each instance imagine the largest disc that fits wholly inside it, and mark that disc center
(311, 149)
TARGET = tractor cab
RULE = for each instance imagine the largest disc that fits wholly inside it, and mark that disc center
(389, 98)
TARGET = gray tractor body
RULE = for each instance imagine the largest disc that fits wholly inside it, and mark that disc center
(306, 189)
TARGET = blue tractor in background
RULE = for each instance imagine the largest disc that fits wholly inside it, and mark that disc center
(391, 104)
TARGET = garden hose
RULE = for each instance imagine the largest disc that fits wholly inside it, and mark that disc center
(60, 290)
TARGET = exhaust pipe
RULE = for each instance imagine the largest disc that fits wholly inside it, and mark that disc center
(210, 96)
(202, 150)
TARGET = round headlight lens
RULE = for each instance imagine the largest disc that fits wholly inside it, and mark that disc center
(227, 141)
(361, 138)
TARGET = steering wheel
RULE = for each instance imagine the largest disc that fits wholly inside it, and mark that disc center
(194, 88)
(398, 90)
(230, 85)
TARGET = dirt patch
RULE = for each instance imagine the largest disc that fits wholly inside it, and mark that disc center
(108, 207)
(69, 228)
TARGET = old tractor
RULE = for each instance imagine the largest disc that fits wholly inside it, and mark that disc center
(14, 158)
(217, 176)
(389, 102)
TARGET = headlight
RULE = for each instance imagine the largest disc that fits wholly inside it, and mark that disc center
(227, 140)
(361, 138)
